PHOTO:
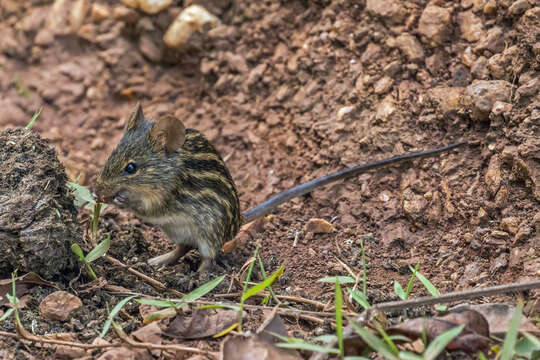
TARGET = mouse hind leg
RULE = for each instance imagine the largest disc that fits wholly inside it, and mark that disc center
(170, 257)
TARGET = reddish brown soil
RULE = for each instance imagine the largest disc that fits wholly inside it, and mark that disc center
(266, 87)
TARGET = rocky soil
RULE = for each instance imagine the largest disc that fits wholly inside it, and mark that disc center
(289, 91)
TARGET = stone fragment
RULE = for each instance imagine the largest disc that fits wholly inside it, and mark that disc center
(383, 85)
(434, 24)
(413, 205)
(493, 174)
(316, 226)
(390, 10)
(344, 111)
(519, 7)
(99, 12)
(386, 108)
(59, 305)
(471, 26)
(148, 6)
(468, 57)
(479, 69)
(236, 62)
(510, 224)
(78, 14)
(126, 14)
(499, 263)
(371, 53)
(448, 98)
(149, 49)
(191, 19)
(523, 233)
(490, 7)
(484, 93)
(44, 37)
(410, 46)
(492, 41)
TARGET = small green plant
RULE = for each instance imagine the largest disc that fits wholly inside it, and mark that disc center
(338, 302)
(404, 295)
(355, 294)
(510, 339)
(13, 300)
(272, 295)
(83, 197)
(33, 119)
(172, 307)
(96, 253)
(430, 288)
(113, 313)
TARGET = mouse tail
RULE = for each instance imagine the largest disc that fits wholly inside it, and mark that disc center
(269, 205)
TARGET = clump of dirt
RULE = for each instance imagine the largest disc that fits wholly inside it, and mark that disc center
(38, 221)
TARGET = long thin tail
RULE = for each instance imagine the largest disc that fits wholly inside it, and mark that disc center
(267, 206)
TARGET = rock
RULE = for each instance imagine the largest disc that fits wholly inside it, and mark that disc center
(317, 226)
(492, 41)
(536, 222)
(471, 271)
(393, 68)
(191, 19)
(148, 6)
(501, 108)
(447, 98)
(57, 17)
(460, 75)
(496, 66)
(410, 46)
(100, 12)
(59, 306)
(510, 224)
(383, 85)
(528, 90)
(44, 37)
(386, 108)
(483, 95)
(395, 233)
(479, 70)
(499, 263)
(390, 10)
(523, 233)
(490, 7)
(149, 49)
(519, 7)
(236, 62)
(471, 26)
(434, 24)
(372, 52)
(493, 174)
(342, 112)
(413, 205)
(126, 14)
(77, 15)
(255, 74)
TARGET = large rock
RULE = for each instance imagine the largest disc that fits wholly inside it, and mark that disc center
(483, 94)
(434, 24)
(390, 10)
(410, 46)
(471, 26)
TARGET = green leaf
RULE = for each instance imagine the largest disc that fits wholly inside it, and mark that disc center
(359, 298)
(325, 338)
(99, 250)
(399, 290)
(404, 355)
(399, 338)
(262, 285)
(78, 251)
(375, 343)
(33, 119)
(355, 358)
(428, 285)
(158, 303)
(387, 339)
(411, 281)
(338, 300)
(438, 344)
(364, 271)
(113, 313)
(511, 336)
(81, 193)
(6, 314)
(203, 289)
(341, 279)
(308, 347)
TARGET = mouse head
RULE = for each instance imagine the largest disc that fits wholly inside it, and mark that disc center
(141, 173)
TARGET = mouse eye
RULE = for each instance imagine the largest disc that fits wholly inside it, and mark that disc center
(131, 168)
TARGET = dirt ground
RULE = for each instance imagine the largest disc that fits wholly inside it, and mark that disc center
(289, 91)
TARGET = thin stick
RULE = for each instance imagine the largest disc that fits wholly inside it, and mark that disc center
(281, 297)
(432, 300)
(25, 336)
(148, 279)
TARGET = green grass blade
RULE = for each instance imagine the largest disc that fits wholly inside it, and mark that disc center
(81, 193)
(359, 298)
(220, 306)
(325, 338)
(262, 285)
(33, 119)
(158, 303)
(511, 336)
(364, 270)
(89, 270)
(387, 339)
(411, 281)
(99, 250)
(203, 289)
(78, 251)
(438, 344)
(338, 300)
(308, 347)
(6, 314)
(404, 355)
(95, 219)
(341, 279)
(398, 289)
(427, 284)
(270, 290)
(113, 313)
(375, 343)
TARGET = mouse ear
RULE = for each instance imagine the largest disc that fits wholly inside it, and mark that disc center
(168, 133)
(136, 117)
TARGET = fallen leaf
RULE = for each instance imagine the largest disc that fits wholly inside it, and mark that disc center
(319, 226)
(203, 323)
(150, 334)
(22, 285)
(241, 348)
(59, 306)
